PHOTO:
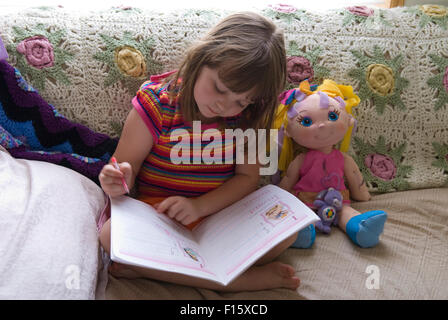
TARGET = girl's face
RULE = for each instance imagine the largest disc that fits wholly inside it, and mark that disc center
(319, 128)
(214, 99)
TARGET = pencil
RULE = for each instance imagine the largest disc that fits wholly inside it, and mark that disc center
(115, 164)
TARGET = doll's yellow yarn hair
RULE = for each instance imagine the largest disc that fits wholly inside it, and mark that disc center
(329, 87)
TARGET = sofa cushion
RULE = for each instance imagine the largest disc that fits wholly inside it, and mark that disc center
(48, 240)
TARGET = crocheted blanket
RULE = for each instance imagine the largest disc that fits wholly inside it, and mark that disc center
(90, 64)
(30, 128)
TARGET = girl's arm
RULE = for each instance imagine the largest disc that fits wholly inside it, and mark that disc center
(133, 147)
(292, 173)
(356, 184)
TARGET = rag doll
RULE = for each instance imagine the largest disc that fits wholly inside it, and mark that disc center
(324, 177)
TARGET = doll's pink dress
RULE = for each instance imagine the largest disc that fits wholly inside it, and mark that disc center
(318, 172)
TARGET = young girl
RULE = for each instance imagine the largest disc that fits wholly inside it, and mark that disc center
(318, 120)
(230, 79)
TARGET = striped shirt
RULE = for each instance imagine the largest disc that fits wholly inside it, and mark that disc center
(160, 175)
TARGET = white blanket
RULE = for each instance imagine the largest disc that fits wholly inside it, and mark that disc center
(48, 240)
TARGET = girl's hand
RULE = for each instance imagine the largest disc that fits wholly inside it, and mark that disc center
(110, 178)
(185, 210)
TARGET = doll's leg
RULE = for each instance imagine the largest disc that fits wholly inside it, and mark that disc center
(364, 229)
(345, 215)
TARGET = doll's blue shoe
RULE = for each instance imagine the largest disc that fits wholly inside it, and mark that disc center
(365, 229)
(305, 238)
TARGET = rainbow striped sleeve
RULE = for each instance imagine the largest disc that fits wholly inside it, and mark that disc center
(148, 105)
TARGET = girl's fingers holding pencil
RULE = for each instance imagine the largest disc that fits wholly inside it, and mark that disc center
(125, 168)
(110, 180)
(110, 171)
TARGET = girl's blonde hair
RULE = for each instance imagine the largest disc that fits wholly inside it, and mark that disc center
(248, 52)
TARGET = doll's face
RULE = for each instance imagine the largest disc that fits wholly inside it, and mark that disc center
(314, 127)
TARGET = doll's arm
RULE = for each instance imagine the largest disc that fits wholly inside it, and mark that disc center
(292, 173)
(356, 184)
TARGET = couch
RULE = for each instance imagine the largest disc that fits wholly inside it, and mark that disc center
(92, 62)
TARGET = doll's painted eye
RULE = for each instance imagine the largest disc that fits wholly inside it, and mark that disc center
(333, 116)
(306, 122)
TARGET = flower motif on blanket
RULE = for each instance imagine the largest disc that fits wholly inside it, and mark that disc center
(379, 79)
(440, 81)
(382, 166)
(39, 54)
(286, 13)
(129, 61)
(430, 13)
(364, 15)
(304, 64)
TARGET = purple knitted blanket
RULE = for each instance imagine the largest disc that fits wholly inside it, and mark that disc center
(30, 128)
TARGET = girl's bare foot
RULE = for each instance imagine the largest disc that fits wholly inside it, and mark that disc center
(274, 275)
(269, 276)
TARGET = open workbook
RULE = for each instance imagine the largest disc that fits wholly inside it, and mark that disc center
(220, 248)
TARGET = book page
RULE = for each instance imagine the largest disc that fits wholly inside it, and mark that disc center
(143, 237)
(239, 235)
